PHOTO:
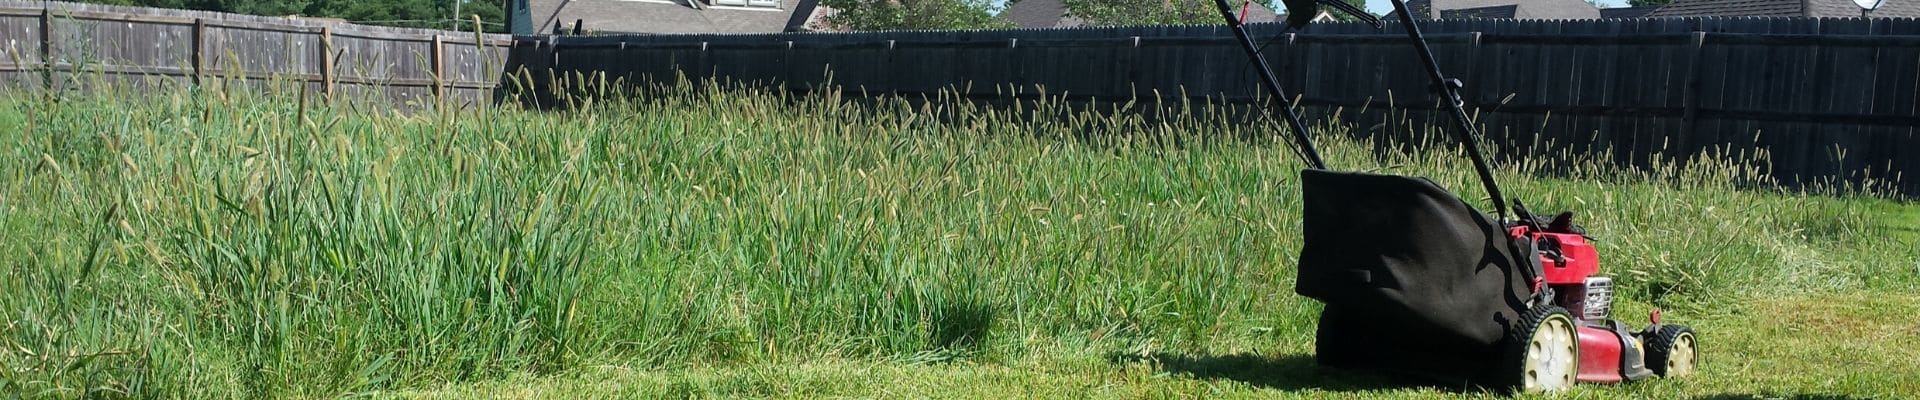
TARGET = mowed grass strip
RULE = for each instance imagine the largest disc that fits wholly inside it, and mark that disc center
(1817, 347)
(234, 245)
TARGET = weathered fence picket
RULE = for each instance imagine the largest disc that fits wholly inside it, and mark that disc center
(77, 43)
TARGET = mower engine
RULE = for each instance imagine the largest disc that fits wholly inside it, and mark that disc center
(1608, 351)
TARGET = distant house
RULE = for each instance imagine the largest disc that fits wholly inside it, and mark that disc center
(1785, 8)
(662, 16)
(1502, 9)
(1054, 14)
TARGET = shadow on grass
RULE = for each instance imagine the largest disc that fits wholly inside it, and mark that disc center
(1739, 396)
(1291, 372)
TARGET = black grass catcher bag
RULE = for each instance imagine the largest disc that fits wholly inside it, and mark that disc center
(1414, 279)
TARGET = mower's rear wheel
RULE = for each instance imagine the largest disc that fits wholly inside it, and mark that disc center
(1672, 351)
(1545, 351)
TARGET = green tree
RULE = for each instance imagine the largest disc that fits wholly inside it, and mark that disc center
(1143, 12)
(1646, 3)
(869, 15)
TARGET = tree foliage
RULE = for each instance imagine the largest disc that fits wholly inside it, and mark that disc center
(870, 15)
(437, 14)
(1143, 12)
(1645, 3)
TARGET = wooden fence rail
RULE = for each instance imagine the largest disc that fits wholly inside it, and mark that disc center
(1826, 99)
(52, 45)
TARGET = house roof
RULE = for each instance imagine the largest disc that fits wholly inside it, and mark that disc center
(1784, 8)
(1506, 11)
(1897, 8)
(1054, 14)
(1520, 9)
(665, 16)
(1626, 12)
(1036, 13)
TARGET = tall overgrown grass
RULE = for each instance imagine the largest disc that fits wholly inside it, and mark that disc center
(211, 244)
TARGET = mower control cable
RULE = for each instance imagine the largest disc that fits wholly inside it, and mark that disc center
(1449, 89)
(1285, 104)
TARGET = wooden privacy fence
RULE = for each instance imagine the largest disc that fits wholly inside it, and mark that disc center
(1825, 98)
(55, 45)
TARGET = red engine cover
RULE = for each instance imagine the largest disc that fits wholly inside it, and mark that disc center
(1576, 260)
(1599, 356)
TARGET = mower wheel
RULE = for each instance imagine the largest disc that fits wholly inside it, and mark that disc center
(1544, 351)
(1672, 351)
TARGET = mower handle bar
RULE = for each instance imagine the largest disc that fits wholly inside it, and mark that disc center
(1447, 88)
(1284, 102)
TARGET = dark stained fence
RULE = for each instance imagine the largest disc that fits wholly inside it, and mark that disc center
(1825, 99)
(55, 45)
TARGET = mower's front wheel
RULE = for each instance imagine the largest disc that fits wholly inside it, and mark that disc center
(1672, 351)
(1544, 351)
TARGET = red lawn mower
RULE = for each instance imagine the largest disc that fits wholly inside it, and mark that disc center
(1417, 281)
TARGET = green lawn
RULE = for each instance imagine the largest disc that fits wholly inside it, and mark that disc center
(738, 243)
(1820, 347)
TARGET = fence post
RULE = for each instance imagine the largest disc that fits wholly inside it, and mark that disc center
(787, 65)
(46, 48)
(1690, 98)
(439, 68)
(485, 61)
(1131, 88)
(1287, 66)
(1473, 74)
(199, 50)
(1017, 71)
(892, 74)
(326, 62)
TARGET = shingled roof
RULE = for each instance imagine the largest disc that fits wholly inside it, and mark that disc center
(1493, 12)
(1519, 9)
(1626, 12)
(1038, 14)
(1784, 8)
(666, 16)
(1054, 14)
(1897, 8)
